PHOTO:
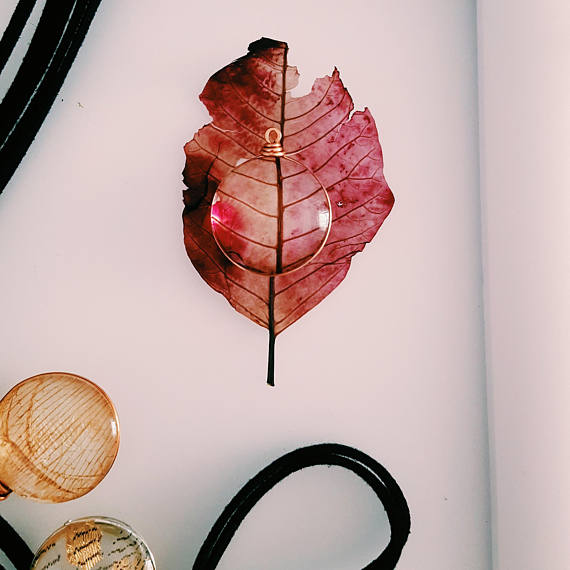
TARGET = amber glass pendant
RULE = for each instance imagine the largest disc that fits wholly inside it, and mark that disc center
(271, 215)
(59, 436)
(94, 543)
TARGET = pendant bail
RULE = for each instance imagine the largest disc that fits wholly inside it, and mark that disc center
(273, 146)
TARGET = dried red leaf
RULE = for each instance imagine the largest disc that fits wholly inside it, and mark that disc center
(244, 99)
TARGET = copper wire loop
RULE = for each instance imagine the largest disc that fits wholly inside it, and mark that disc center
(272, 150)
(273, 145)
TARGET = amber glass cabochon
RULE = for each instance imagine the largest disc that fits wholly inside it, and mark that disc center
(59, 436)
(94, 543)
(266, 227)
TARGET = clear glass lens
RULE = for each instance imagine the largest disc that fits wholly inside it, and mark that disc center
(271, 215)
(59, 435)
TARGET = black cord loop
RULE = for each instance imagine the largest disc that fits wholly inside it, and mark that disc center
(14, 547)
(379, 479)
(60, 32)
(382, 483)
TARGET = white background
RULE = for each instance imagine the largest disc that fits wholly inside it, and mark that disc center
(95, 280)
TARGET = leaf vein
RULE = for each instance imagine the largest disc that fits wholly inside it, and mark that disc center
(225, 133)
(265, 86)
(306, 127)
(322, 286)
(239, 123)
(270, 62)
(256, 318)
(359, 136)
(359, 206)
(245, 204)
(242, 98)
(349, 177)
(216, 157)
(238, 284)
(232, 231)
(206, 171)
(322, 136)
(314, 106)
(340, 240)
(207, 253)
(302, 235)
(318, 189)
(256, 179)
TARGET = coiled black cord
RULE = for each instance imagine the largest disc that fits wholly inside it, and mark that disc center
(14, 547)
(382, 483)
(55, 43)
(14, 29)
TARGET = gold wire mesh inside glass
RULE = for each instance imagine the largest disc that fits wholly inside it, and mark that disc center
(59, 436)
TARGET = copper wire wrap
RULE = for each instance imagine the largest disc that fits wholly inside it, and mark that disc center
(273, 145)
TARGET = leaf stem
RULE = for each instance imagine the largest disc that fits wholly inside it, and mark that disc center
(271, 327)
(271, 360)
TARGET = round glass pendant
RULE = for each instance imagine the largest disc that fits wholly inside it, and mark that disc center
(270, 214)
(95, 543)
(59, 436)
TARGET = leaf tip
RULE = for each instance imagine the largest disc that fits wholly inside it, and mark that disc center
(266, 43)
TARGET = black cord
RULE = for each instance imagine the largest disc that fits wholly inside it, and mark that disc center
(14, 547)
(14, 29)
(382, 483)
(62, 27)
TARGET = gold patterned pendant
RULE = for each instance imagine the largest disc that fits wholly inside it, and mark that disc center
(94, 543)
(83, 545)
(59, 436)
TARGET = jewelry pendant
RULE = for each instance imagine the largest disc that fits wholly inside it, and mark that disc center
(271, 215)
(94, 543)
(59, 436)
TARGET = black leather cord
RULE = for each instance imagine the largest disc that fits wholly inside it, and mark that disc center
(382, 483)
(14, 29)
(14, 547)
(56, 41)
